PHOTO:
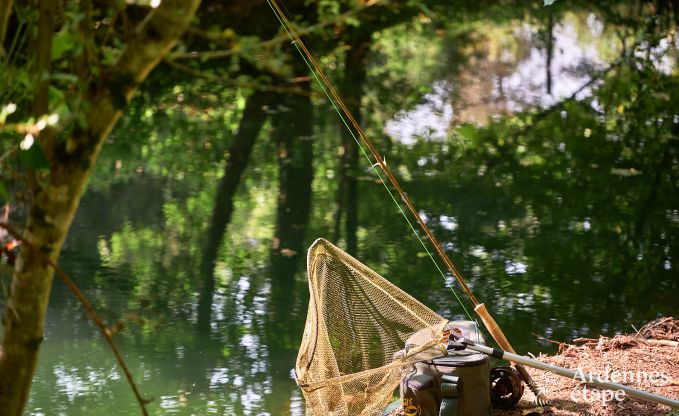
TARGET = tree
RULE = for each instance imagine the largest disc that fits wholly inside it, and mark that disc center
(102, 90)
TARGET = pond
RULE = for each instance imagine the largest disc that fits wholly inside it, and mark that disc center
(553, 229)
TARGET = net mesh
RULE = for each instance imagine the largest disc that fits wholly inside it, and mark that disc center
(352, 351)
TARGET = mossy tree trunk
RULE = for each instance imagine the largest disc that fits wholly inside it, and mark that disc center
(55, 201)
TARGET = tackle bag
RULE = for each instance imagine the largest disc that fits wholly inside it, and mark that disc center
(472, 371)
(455, 385)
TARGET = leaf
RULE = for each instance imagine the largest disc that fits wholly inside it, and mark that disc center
(65, 77)
(3, 193)
(549, 2)
(467, 130)
(62, 42)
(34, 158)
(57, 102)
(352, 21)
(54, 96)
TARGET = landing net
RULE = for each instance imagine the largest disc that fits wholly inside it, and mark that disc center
(352, 351)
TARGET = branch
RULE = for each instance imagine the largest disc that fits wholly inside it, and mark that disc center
(237, 84)
(5, 12)
(153, 38)
(105, 331)
(596, 78)
(545, 112)
(278, 39)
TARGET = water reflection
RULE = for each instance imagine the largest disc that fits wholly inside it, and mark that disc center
(507, 71)
(571, 66)
(553, 229)
(428, 120)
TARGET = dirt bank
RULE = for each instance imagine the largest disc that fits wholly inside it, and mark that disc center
(647, 360)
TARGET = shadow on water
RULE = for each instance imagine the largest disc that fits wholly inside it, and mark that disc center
(566, 226)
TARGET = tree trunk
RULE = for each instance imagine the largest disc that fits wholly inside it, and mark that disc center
(355, 68)
(43, 56)
(54, 204)
(656, 184)
(550, 51)
(239, 154)
(292, 131)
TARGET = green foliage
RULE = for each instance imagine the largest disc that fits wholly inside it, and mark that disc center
(3, 193)
(34, 158)
(63, 42)
(328, 9)
(403, 69)
(467, 131)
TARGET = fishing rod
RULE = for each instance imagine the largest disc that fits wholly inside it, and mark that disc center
(462, 343)
(337, 101)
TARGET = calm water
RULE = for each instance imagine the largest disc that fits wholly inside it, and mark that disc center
(554, 249)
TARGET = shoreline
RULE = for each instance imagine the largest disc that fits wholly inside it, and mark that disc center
(647, 360)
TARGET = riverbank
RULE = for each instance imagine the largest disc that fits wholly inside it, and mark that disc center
(647, 360)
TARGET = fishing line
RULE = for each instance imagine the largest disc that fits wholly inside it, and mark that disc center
(337, 103)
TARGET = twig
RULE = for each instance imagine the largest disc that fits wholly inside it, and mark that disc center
(595, 78)
(11, 151)
(88, 308)
(582, 339)
(229, 82)
(637, 331)
(559, 343)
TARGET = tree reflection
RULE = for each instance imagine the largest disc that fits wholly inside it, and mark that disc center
(564, 219)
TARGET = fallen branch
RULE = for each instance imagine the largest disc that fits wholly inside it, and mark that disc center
(582, 339)
(621, 341)
(91, 312)
(562, 345)
(664, 342)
